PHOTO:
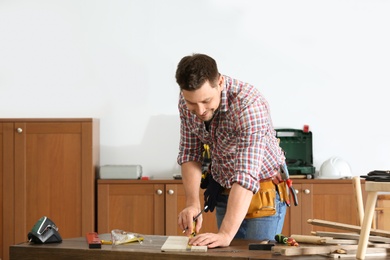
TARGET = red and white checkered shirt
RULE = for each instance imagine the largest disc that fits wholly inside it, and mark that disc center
(242, 140)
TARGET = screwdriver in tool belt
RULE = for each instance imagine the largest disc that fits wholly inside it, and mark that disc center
(197, 216)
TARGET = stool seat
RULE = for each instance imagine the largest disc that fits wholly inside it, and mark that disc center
(372, 189)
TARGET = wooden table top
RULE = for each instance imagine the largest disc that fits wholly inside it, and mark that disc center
(77, 248)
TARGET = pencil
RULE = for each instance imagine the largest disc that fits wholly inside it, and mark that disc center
(197, 216)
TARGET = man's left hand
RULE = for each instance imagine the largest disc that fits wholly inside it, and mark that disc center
(211, 240)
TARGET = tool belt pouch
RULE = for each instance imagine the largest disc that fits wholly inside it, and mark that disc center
(263, 202)
(283, 192)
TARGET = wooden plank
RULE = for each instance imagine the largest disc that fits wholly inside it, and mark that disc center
(323, 250)
(324, 223)
(332, 241)
(180, 244)
(355, 236)
(309, 239)
(377, 186)
(323, 240)
(369, 250)
(351, 253)
(307, 250)
(353, 256)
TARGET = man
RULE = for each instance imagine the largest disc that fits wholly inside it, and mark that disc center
(233, 119)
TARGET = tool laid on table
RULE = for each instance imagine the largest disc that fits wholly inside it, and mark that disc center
(286, 240)
(262, 245)
(129, 239)
(286, 177)
(194, 221)
(44, 231)
(93, 240)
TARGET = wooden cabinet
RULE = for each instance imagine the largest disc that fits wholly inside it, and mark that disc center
(331, 200)
(47, 168)
(382, 212)
(145, 207)
(152, 207)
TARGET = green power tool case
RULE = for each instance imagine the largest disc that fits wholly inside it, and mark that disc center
(298, 148)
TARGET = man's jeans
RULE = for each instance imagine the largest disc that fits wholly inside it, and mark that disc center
(256, 228)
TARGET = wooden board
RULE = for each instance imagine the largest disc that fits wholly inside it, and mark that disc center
(355, 236)
(317, 240)
(305, 250)
(180, 244)
(309, 239)
(324, 223)
(322, 250)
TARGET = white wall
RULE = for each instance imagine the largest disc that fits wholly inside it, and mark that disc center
(321, 63)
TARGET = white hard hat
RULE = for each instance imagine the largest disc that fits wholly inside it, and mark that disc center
(335, 168)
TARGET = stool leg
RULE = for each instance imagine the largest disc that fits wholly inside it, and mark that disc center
(366, 226)
(359, 198)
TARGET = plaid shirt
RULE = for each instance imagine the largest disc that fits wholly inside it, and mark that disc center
(243, 144)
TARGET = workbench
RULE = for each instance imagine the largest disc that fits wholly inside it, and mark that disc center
(77, 248)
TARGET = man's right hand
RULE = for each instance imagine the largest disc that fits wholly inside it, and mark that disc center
(186, 219)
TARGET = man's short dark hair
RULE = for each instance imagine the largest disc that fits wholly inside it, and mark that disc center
(196, 69)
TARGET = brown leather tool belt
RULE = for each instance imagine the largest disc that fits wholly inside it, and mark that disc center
(276, 179)
(263, 202)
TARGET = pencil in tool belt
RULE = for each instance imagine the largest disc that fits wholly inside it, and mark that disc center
(196, 217)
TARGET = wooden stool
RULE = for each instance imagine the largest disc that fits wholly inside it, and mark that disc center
(372, 189)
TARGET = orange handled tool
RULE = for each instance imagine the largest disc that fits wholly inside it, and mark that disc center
(286, 178)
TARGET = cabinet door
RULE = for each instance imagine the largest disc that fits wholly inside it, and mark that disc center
(293, 219)
(54, 177)
(176, 202)
(331, 202)
(135, 208)
(326, 201)
(382, 211)
(2, 153)
(7, 181)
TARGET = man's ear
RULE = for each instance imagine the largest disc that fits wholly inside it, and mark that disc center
(221, 81)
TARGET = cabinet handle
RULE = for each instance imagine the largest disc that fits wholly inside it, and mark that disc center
(296, 191)
(19, 130)
(159, 192)
(306, 191)
(171, 192)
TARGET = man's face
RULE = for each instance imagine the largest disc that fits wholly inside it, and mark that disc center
(204, 101)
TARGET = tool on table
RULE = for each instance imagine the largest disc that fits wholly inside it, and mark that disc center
(286, 240)
(44, 231)
(93, 240)
(286, 177)
(120, 237)
(194, 221)
(106, 242)
(262, 245)
(292, 242)
(280, 238)
(129, 240)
